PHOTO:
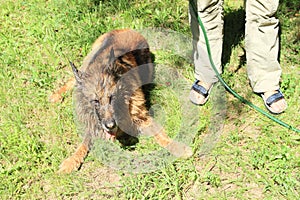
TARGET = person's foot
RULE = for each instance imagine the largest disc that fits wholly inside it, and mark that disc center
(274, 101)
(199, 93)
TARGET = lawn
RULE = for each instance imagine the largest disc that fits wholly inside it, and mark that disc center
(238, 152)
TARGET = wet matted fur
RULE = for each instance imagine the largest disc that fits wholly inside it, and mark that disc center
(108, 98)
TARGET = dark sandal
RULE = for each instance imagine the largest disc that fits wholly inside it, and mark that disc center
(201, 90)
(272, 99)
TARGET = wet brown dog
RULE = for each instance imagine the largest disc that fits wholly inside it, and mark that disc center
(108, 98)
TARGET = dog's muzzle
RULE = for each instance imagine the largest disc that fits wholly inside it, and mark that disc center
(110, 129)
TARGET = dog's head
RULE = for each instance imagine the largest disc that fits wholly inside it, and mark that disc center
(98, 87)
(107, 86)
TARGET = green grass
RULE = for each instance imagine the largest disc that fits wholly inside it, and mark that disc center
(254, 158)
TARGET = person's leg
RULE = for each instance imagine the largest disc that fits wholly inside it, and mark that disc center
(211, 14)
(262, 49)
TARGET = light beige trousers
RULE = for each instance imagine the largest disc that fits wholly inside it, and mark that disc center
(261, 42)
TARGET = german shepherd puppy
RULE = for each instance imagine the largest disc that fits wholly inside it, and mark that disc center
(108, 98)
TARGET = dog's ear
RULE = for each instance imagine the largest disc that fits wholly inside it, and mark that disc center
(111, 62)
(77, 73)
(112, 57)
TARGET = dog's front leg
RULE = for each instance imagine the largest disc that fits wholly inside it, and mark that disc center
(177, 149)
(76, 159)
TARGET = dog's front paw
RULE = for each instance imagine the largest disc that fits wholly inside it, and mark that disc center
(180, 150)
(69, 165)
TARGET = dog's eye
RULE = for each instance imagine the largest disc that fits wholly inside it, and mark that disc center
(110, 98)
(95, 102)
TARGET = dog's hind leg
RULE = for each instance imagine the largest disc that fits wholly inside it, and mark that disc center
(76, 159)
(57, 95)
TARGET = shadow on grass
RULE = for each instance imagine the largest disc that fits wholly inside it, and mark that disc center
(289, 7)
(234, 32)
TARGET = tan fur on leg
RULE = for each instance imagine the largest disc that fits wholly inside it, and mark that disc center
(177, 149)
(73, 162)
(57, 95)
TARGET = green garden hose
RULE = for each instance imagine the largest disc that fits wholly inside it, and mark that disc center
(225, 84)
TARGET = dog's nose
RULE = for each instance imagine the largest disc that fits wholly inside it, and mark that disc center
(110, 124)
